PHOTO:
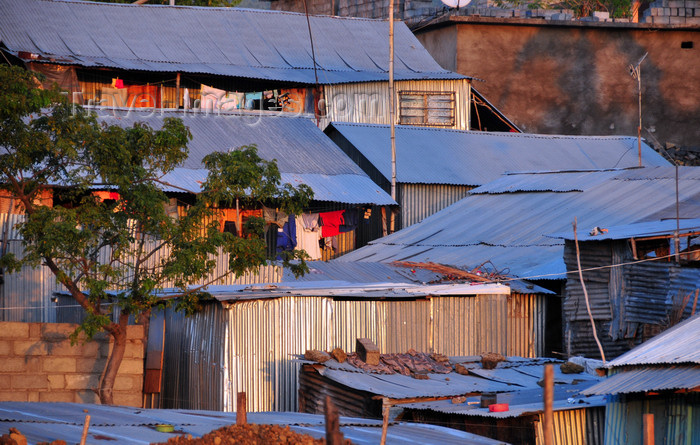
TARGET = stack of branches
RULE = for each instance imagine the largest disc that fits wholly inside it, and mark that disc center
(451, 273)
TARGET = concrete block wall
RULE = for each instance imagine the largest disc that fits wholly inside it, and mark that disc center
(673, 12)
(38, 364)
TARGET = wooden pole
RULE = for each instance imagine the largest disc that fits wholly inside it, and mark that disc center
(333, 434)
(695, 301)
(585, 294)
(177, 91)
(548, 403)
(241, 416)
(648, 421)
(385, 423)
(86, 425)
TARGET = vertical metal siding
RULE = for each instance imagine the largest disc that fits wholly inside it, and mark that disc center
(470, 325)
(367, 102)
(526, 324)
(572, 427)
(418, 201)
(193, 371)
(264, 335)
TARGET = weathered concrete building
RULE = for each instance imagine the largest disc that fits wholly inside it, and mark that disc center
(573, 77)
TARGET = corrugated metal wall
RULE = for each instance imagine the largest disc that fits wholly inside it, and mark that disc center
(676, 419)
(367, 102)
(194, 370)
(418, 201)
(26, 295)
(264, 335)
(526, 324)
(575, 427)
(626, 301)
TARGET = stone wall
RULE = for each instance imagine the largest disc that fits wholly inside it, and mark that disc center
(38, 364)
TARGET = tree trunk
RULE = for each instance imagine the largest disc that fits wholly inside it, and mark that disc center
(118, 333)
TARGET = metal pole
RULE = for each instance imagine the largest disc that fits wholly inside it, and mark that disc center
(392, 107)
(676, 239)
(639, 128)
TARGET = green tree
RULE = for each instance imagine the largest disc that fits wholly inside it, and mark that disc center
(104, 252)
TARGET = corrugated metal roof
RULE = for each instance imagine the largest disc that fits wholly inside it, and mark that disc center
(517, 377)
(445, 156)
(510, 227)
(648, 379)
(520, 403)
(45, 422)
(372, 272)
(247, 43)
(677, 345)
(304, 154)
(636, 230)
(346, 289)
(367, 272)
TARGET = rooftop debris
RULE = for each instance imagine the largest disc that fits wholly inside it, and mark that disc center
(451, 273)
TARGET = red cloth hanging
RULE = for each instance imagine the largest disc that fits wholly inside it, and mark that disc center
(331, 222)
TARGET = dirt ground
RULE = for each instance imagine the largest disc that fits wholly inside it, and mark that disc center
(250, 434)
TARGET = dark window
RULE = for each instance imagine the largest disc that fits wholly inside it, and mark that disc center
(426, 108)
(686, 45)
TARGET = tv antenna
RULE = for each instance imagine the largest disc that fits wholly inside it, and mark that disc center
(635, 72)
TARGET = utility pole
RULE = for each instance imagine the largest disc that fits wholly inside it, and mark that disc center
(636, 73)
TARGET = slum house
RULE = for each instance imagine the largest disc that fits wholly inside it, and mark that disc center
(527, 302)
(42, 422)
(304, 156)
(659, 377)
(564, 76)
(492, 396)
(245, 339)
(215, 59)
(504, 224)
(635, 284)
(436, 167)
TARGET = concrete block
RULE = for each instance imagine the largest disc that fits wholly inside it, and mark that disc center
(13, 396)
(661, 19)
(83, 365)
(692, 20)
(33, 364)
(676, 20)
(9, 329)
(82, 381)
(131, 366)
(134, 350)
(676, 4)
(32, 381)
(57, 396)
(125, 383)
(64, 348)
(601, 14)
(91, 349)
(12, 364)
(86, 396)
(34, 330)
(60, 364)
(367, 351)
(57, 381)
(5, 382)
(57, 331)
(128, 398)
(24, 348)
(5, 348)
